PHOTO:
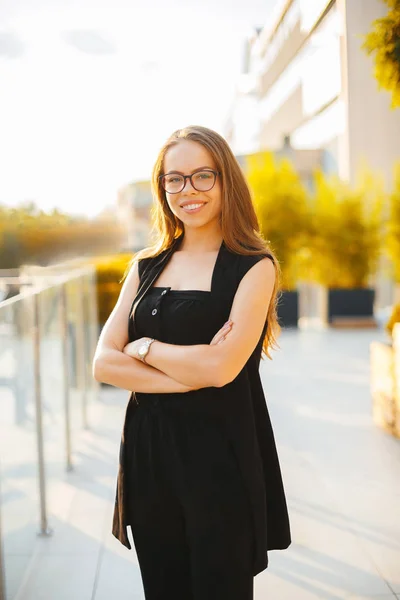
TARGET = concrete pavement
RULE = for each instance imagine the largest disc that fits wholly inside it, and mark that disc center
(341, 474)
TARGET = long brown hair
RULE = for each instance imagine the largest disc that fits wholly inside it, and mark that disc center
(239, 223)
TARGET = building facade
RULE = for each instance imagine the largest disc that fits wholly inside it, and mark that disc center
(134, 204)
(306, 76)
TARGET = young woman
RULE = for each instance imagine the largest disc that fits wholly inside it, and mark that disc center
(199, 478)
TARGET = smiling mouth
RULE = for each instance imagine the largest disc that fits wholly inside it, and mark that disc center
(194, 207)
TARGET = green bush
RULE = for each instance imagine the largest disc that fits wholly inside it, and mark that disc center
(384, 42)
(29, 236)
(109, 272)
(393, 225)
(280, 200)
(346, 231)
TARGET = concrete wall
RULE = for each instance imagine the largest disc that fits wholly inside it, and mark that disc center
(288, 116)
(373, 129)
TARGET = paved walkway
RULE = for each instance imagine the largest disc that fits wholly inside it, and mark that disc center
(341, 473)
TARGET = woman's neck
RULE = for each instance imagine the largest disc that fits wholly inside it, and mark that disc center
(198, 240)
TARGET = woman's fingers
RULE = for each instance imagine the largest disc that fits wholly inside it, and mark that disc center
(224, 330)
(222, 333)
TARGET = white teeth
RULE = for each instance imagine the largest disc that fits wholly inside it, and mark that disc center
(192, 206)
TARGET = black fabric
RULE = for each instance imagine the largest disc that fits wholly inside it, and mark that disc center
(189, 512)
(206, 443)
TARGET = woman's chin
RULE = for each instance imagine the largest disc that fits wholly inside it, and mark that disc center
(193, 222)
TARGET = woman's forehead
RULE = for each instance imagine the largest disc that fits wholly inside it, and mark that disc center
(186, 156)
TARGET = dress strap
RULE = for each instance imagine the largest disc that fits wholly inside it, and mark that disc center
(150, 268)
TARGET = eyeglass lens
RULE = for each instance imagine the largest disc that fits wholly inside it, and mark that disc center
(201, 181)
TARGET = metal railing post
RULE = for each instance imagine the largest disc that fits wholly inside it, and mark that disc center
(94, 328)
(80, 351)
(44, 530)
(66, 373)
(20, 380)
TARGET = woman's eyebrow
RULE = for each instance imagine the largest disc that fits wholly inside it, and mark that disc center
(196, 169)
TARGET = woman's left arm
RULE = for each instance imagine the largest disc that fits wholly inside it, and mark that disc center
(216, 365)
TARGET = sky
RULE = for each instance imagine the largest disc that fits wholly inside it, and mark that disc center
(90, 90)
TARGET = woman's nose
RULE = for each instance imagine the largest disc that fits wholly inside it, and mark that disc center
(190, 186)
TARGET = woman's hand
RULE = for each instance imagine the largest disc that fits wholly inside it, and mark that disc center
(222, 333)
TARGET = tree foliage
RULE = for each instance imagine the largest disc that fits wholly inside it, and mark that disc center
(393, 225)
(333, 236)
(384, 41)
(346, 230)
(280, 200)
(28, 235)
(109, 274)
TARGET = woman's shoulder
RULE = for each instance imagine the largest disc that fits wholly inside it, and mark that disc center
(242, 262)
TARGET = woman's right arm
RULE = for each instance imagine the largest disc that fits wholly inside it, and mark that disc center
(112, 366)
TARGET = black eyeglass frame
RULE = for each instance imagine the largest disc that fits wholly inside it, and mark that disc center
(185, 177)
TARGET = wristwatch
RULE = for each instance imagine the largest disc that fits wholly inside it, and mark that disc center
(144, 348)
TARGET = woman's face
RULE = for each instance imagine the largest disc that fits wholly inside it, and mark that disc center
(185, 157)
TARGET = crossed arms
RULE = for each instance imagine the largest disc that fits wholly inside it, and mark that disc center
(173, 368)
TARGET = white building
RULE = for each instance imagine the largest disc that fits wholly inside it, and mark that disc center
(134, 203)
(306, 75)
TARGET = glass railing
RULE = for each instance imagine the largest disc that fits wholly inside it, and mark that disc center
(48, 336)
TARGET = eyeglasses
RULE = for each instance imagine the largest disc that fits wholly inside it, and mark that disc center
(202, 181)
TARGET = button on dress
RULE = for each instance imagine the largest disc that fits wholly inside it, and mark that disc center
(208, 445)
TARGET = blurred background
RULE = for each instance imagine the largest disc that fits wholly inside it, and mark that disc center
(307, 94)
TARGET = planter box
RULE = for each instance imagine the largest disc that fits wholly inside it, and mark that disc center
(351, 307)
(288, 308)
(385, 383)
(322, 307)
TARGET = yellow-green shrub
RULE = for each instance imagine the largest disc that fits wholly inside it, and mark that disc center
(280, 200)
(384, 41)
(42, 239)
(394, 318)
(109, 272)
(346, 230)
(393, 225)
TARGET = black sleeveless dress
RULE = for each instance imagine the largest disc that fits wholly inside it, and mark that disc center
(235, 414)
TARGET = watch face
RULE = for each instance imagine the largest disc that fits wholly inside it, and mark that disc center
(142, 350)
